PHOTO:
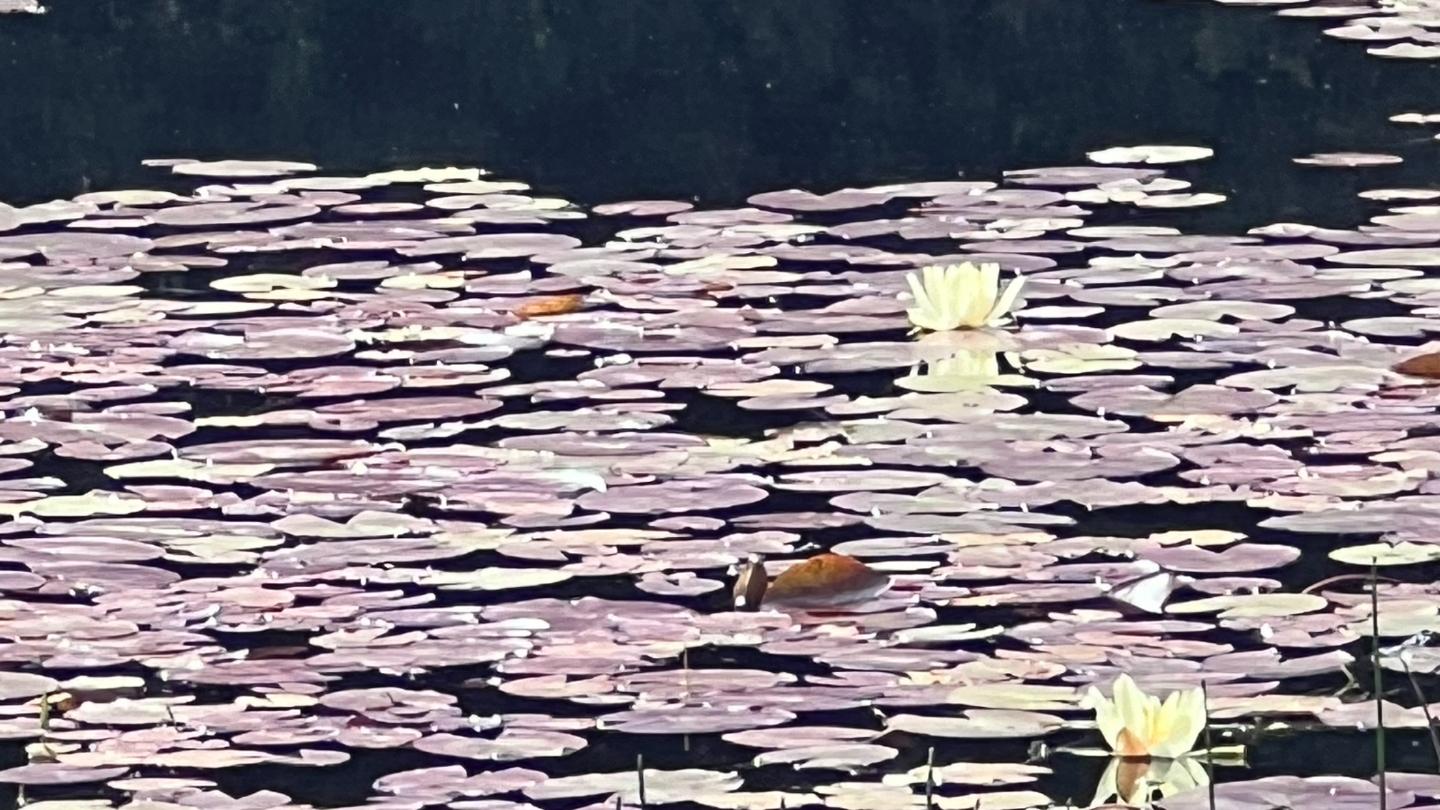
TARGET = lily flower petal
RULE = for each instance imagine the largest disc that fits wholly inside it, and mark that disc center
(1139, 725)
(1006, 301)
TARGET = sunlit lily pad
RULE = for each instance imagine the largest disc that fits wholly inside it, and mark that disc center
(1387, 554)
(979, 724)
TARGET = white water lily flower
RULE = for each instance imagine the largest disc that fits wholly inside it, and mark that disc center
(960, 296)
(1138, 783)
(1139, 725)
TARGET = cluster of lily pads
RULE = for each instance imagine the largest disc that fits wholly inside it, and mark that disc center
(298, 468)
(1391, 29)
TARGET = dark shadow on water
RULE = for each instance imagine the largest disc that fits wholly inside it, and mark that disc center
(712, 99)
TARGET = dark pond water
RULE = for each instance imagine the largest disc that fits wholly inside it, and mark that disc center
(707, 102)
(712, 100)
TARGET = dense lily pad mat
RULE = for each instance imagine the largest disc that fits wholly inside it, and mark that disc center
(298, 469)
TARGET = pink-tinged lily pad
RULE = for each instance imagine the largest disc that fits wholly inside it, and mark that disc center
(231, 214)
(695, 495)
(1077, 176)
(452, 781)
(23, 685)
(678, 584)
(277, 344)
(642, 208)
(685, 719)
(1338, 792)
(979, 724)
(493, 246)
(797, 200)
(661, 787)
(241, 168)
(799, 736)
(510, 744)
(1348, 159)
(52, 773)
(845, 757)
